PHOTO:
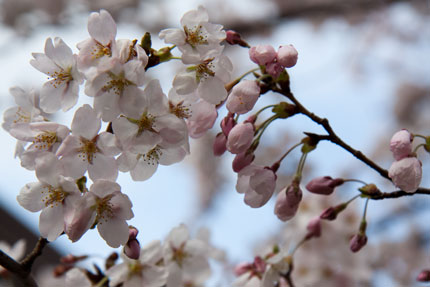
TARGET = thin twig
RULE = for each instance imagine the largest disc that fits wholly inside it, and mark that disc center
(399, 193)
(28, 261)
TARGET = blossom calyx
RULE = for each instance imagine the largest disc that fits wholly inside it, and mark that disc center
(370, 190)
(324, 185)
(285, 110)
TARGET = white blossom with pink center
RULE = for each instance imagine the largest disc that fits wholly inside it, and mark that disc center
(44, 137)
(118, 84)
(147, 122)
(95, 53)
(257, 183)
(208, 77)
(146, 271)
(86, 149)
(106, 206)
(197, 37)
(59, 63)
(185, 257)
(54, 194)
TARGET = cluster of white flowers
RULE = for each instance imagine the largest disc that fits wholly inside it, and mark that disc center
(179, 261)
(145, 127)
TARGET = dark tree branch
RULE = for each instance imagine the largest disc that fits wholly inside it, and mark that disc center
(399, 193)
(21, 272)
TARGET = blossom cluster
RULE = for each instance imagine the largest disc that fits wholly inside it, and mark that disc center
(145, 127)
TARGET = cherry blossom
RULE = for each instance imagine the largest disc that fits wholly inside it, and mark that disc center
(185, 257)
(240, 137)
(45, 137)
(85, 149)
(146, 271)
(60, 65)
(198, 36)
(147, 122)
(95, 54)
(258, 184)
(105, 205)
(54, 194)
(287, 56)
(207, 77)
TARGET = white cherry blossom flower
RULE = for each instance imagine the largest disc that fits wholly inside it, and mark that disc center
(26, 111)
(197, 37)
(143, 165)
(185, 257)
(116, 86)
(95, 54)
(86, 149)
(54, 194)
(146, 271)
(44, 136)
(105, 205)
(147, 122)
(59, 64)
(207, 77)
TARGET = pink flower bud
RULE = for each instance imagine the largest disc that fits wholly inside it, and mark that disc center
(240, 138)
(72, 259)
(287, 202)
(314, 228)
(227, 124)
(242, 160)
(262, 54)
(424, 276)
(242, 268)
(401, 144)
(219, 146)
(259, 264)
(406, 173)
(357, 242)
(274, 69)
(332, 212)
(234, 38)
(323, 185)
(287, 56)
(243, 97)
(132, 249)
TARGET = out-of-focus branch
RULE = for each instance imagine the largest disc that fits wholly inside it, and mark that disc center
(21, 271)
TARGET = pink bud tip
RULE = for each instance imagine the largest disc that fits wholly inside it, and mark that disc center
(132, 249)
(219, 146)
(314, 228)
(323, 185)
(424, 276)
(242, 268)
(401, 144)
(357, 242)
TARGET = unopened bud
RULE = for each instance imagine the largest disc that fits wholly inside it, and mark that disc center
(357, 242)
(424, 276)
(110, 261)
(287, 202)
(314, 228)
(132, 248)
(61, 269)
(401, 144)
(262, 54)
(72, 259)
(242, 160)
(219, 146)
(242, 268)
(227, 124)
(287, 56)
(324, 185)
(332, 212)
(234, 38)
(259, 264)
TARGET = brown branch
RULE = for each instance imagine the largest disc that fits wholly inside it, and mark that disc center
(398, 193)
(332, 136)
(21, 271)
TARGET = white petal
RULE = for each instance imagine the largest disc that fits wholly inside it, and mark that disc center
(102, 27)
(30, 196)
(104, 167)
(143, 170)
(212, 90)
(51, 222)
(114, 232)
(85, 123)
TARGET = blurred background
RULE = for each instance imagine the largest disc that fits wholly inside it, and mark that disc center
(363, 64)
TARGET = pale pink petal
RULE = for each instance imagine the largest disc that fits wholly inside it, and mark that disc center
(51, 222)
(85, 123)
(30, 196)
(102, 188)
(212, 90)
(114, 232)
(102, 27)
(143, 170)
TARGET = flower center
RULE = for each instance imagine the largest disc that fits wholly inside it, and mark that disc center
(145, 123)
(104, 208)
(88, 150)
(45, 140)
(99, 51)
(153, 156)
(117, 83)
(179, 254)
(194, 36)
(22, 116)
(135, 268)
(180, 110)
(53, 196)
(60, 76)
(203, 70)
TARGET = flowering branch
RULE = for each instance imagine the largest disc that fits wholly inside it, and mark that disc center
(332, 136)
